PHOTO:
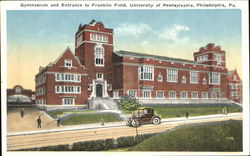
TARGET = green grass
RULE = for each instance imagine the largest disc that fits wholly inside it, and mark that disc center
(170, 112)
(226, 136)
(90, 118)
(56, 114)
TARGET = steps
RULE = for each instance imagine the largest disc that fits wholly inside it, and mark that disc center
(102, 103)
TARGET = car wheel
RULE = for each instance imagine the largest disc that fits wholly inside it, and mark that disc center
(156, 120)
(128, 122)
(135, 123)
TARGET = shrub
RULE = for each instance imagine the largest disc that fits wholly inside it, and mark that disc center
(97, 145)
(126, 141)
(65, 147)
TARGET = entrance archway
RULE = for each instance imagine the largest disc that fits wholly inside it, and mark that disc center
(99, 90)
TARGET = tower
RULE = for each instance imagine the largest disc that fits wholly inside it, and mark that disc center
(211, 55)
(94, 47)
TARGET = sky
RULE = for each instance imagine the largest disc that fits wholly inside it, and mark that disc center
(35, 38)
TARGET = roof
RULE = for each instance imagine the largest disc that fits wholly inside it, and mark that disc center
(123, 53)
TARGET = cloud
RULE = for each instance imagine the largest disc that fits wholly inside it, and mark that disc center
(132, 29)
(174, 33)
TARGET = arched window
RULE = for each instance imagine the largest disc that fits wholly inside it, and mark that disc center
(184, 80)
(99, 56)
(204, 81)
(159, 78)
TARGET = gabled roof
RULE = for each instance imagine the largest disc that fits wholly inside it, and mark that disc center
(66, 50)
(123, 53)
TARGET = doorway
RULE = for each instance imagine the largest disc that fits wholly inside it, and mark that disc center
(98, 90)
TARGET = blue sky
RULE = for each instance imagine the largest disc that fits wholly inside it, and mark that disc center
(36, 38)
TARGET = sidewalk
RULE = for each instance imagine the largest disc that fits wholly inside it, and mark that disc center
(120, 124)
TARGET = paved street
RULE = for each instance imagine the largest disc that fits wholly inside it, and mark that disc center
(71, 134)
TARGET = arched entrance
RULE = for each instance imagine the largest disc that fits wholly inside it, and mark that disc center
(98, 90)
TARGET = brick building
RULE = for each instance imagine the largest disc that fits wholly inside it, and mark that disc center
(18, 96)
(96, 75)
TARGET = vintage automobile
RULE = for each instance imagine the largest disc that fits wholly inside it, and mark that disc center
(143, 115)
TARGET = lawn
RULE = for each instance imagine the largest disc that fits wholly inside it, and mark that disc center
(170, 112)
(226, 136)
(56, 114)
(90, 118)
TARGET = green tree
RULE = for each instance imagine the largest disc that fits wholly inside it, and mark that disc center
(128, 104)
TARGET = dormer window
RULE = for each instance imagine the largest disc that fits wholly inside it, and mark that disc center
(68, 63)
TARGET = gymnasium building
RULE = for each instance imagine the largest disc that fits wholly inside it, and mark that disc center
(95, 76)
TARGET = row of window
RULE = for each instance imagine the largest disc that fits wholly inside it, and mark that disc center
(68, 101)
(67, 77)
(40, 101)
(218, 57)
(234, 86)
(234, 93)
(68, 89)
(40, 91)
(98, 37)
(147, 73)
(172, 94)
(40, 80)
(202, 58)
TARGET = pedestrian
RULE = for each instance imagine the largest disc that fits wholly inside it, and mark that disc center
(58, 121)
(39, 122)
(22, 113)
(187, 114)
(102, 121)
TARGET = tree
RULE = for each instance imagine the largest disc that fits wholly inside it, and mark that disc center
(128, 104)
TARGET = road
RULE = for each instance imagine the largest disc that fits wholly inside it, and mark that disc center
(15, 142)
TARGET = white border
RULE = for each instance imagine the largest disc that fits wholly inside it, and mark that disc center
(243, 5)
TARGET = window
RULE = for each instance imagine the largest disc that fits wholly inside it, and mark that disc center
(160, 94)
(234, 86)
(159, 78)
(204, 81)
(194, 95)
(68, 63)
(68, 101)
(172, 75)
(213, 95)
(99, 37)
(68, 89)
(194, 77)
(204, 95)
(214, 78)
(218, 57)
(146, 94)
(18, 89)
(79, 40)
(99, 56)
(202, 58)
(184, 80)
(65, 77)
(146, 73)
(171, 95)
(99, 76)
(132, 93)
(184, 95)
(234, 93)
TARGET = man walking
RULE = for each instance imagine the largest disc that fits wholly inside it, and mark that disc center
(187, 115)
(22, 113)
(58, 121)
(39, 122)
